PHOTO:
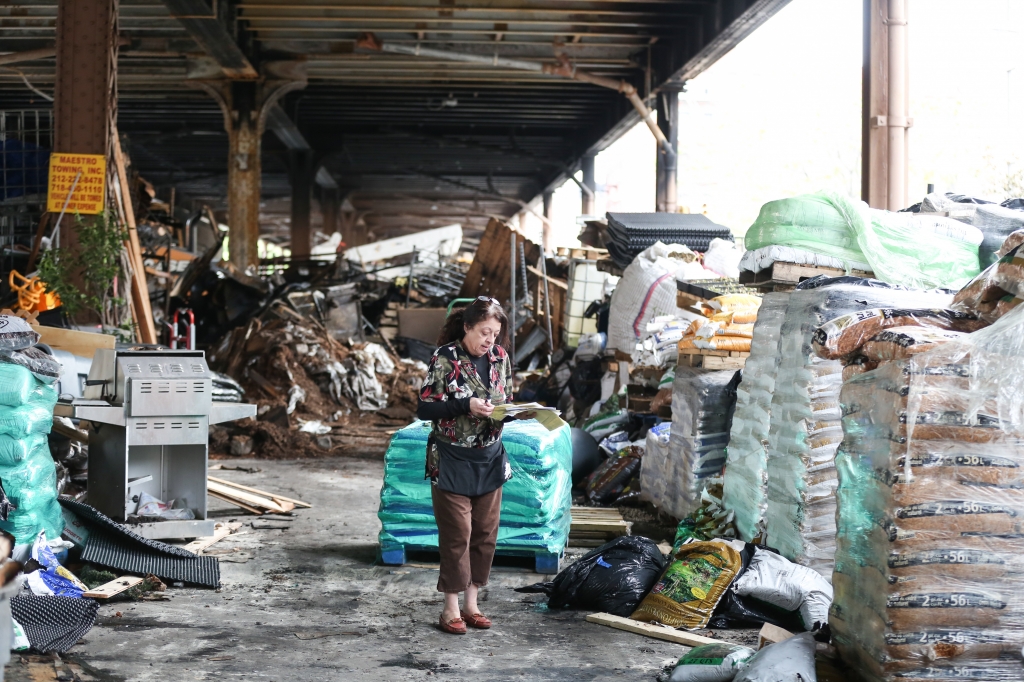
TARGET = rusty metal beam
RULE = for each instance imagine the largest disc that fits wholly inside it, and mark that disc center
(28, 55)
(202, 23)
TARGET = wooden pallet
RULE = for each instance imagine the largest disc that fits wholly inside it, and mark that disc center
(594, 526)
(712, 359)
(545, 563)
(781, 276)
(686, 301)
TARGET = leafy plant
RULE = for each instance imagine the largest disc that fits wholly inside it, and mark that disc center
(85, 279)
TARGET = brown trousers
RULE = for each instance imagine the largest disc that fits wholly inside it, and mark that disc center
(467, 530)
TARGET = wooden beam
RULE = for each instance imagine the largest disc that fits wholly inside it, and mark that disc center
(656, 631)
(141, 307)
(114, 587)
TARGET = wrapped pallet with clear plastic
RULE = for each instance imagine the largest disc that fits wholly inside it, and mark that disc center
(805, 428)
(930, 543)
(746, 455)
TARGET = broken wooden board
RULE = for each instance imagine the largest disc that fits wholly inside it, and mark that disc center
(712, 359)
(781, 276)
(221, 531)
(230, 500)
(594, 526)
(114, 587)
(257, 491)
(772, 634)
(251, 499)
(647, 629)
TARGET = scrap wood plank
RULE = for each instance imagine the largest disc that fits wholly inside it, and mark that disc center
(610, 527)
(264, 493)
(114, 587)
(249, 498)
(237, 503)
(221, 531)
(656, 631)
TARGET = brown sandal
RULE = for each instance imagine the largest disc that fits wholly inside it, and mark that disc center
(456, 626)
(476, 620)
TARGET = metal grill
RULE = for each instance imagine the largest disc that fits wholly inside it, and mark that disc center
(26, 138)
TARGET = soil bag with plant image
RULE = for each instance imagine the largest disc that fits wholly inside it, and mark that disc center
(689, 590)
(718, 662)
(612, 578)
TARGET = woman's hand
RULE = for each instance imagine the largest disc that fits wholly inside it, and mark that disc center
(480, 408)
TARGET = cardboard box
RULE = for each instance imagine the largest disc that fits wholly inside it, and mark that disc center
(422, 324)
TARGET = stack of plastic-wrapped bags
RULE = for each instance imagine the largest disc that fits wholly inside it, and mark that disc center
(805, 428)
(931, 494)
(534, 504)
(27, 471)
(747, 452)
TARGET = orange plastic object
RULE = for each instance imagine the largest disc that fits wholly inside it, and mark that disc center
(32, 294)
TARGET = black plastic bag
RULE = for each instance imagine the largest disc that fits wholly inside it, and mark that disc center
(613, 578)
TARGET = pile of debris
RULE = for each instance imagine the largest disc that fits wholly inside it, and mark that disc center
(316, 395)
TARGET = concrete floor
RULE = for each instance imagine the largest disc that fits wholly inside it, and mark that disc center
(308, 603)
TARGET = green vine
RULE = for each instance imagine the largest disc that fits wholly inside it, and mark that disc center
(84, 279)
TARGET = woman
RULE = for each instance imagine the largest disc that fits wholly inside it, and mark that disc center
(469, 374)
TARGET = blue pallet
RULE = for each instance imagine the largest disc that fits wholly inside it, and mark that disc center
(544, 562)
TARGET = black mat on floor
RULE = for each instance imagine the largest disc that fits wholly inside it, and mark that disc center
(98, 520)
(114, 551)
(113, 545)
(54, 623)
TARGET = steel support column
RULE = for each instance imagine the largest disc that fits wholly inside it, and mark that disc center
(85, 91)
(885, 123)
(330, 202)
(589, 203)
(300, 166)
(244, 105)
(546, 230)
(668, 120)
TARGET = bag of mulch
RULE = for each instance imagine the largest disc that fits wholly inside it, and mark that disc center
(790, 660)
(612, 578)
(694, 582)
(718, 662)
(608, 481)
(16, 333)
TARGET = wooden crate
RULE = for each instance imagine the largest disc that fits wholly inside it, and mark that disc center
(785, 276)
(712, 359)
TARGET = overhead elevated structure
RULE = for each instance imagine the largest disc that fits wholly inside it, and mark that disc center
(391, 140)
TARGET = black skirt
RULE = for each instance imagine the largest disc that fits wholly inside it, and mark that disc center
(472, 471)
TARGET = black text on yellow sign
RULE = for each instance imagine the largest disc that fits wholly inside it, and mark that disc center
(90, 192)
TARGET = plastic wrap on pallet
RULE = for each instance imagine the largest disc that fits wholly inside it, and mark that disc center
(901, 248)
(746, 455)
(931, 513)
(702, 405)
(27, 470)
(805, 428)
(657, 469)
(534, 504)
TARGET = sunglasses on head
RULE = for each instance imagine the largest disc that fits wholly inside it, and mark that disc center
(488, 299)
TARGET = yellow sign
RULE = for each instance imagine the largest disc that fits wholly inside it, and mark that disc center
(89, 197)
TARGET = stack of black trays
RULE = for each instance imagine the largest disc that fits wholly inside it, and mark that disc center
(631, 233)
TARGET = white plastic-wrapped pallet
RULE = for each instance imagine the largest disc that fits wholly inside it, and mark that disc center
(657, 470)
(805, 428)
(702, 405)
(745, 469)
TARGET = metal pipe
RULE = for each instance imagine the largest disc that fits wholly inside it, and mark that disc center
(28, 55)
(589, 184)
(564, 69)
(512, 303)
(897, 119)
(408, 285)
(547, 304)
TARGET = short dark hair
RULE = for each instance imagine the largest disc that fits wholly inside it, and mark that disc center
(481, 309)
